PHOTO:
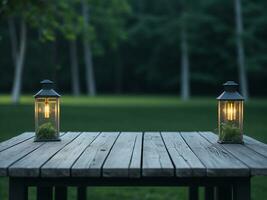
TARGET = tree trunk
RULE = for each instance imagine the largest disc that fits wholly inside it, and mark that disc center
(240, 50)
(18, 54)
(185, 83)
(75, 79)
(89, 71)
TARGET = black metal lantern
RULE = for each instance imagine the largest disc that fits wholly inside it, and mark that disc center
(47, 113)
(230, 114)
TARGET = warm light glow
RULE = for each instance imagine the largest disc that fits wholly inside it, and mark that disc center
(46, 109)
(230, 111)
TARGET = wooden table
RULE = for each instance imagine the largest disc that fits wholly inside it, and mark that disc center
(84, 159)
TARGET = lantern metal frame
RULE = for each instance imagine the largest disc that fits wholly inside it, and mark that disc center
(236, 101)
(47, 93)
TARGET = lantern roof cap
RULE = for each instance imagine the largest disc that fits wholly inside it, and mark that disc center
(230, 92)
(46, 81)
(47, 90)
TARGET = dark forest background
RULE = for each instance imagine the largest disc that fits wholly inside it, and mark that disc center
(134, 46)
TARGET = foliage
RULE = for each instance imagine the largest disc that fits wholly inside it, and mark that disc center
(46, 131)
(64, 17)
(230, 132)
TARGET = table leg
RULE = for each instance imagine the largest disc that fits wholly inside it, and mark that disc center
(193, 193)
(81, 193)
(209, 193)
(224, 193)
(17, 189)
(61, 193)
(44, 193)
(241, 190)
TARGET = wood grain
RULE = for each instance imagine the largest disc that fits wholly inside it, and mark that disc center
(255, 145)
(256, 162)
(136, 160)
(132, 155)
(16, 140)
(120, 158)
(29, 166)
(11, 155)
(60, 164)
(91, 161)
(217, 160)
(186, 162)
(156, 160)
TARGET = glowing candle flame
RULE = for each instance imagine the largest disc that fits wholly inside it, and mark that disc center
(230, 111)
(46, 110)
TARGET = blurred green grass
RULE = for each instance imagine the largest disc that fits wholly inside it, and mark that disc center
(134, 113)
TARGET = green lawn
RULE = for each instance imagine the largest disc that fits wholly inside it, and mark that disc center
(133, 113)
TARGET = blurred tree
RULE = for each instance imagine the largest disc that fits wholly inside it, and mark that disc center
(240, 49)
(185, 80)
(12, 10)
(18, 48)
(89, 68)
(48, 20)
(105, 30)
(75, 78)
(63, 18)
(171, 23)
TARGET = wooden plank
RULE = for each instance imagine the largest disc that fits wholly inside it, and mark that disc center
(91, 161)
(250, 140)
(185, 161)
(156, 161)
(15, 140)
(60, 164)
(120, 158)
(217, 160)
(255, 161)
(13, 154)
(135, 166)
(256, 145)
(29, 166)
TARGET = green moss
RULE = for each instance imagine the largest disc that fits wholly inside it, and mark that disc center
(46, 131)
(230, 132)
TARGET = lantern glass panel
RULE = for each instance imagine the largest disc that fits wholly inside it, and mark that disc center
(47, 118)
(230, 119)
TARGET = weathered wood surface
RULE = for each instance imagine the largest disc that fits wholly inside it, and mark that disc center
(156, 160)
(29, 166)
(60, 164)
(135, 165)
(217, 160)
(11, 155)
(16, 140)
(121, 156)
(256, 162)
(132, 154)
(186, 162)
(91, 161)
(256, 145)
